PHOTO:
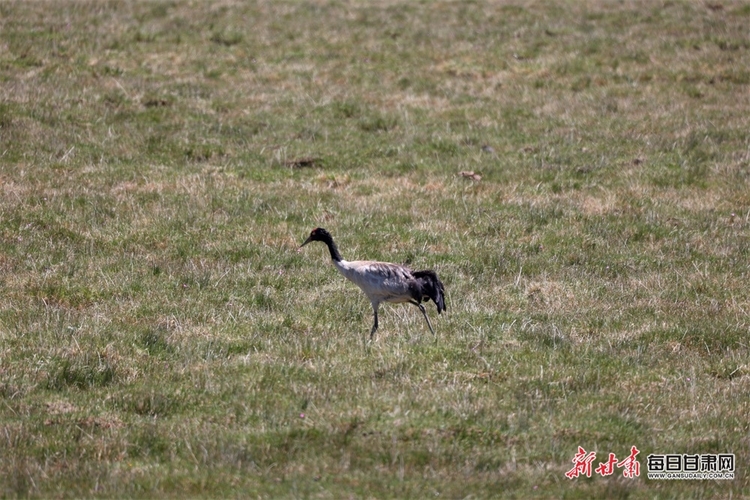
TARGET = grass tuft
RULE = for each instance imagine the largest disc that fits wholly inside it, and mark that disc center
(80, 373)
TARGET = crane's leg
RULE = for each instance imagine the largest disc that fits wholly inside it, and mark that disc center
(375, 324)
(424, 313)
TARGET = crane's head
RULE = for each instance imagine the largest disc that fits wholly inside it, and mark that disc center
(318, 234)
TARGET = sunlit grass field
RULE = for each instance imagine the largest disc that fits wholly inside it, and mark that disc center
(577, 172)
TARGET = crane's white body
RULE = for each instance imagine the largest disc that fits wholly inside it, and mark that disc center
(381, 281)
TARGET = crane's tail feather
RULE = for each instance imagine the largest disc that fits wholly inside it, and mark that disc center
(432, 287)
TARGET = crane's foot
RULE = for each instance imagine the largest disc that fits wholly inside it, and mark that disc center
(374, 327)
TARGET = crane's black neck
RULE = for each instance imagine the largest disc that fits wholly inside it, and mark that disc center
(335, 255)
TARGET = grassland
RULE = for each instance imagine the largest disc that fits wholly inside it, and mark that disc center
(161, 336)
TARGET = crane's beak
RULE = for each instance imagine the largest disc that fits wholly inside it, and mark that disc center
(308, 240)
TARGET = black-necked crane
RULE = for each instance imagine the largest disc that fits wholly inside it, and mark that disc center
(386, 282)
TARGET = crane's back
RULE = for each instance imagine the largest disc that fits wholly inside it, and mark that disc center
(381, 281)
